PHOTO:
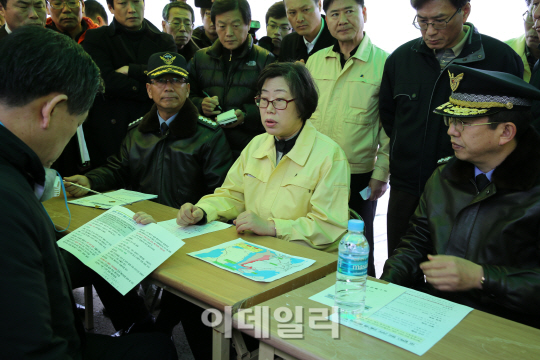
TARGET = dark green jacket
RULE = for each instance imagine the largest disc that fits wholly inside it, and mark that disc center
(38, 319)
(412, 86)
(498, 228)
(232, 77)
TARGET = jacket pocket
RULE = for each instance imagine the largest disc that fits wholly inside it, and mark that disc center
(363, 99)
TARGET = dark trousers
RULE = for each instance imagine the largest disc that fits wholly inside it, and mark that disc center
(123, 310)
(141, 346)
(401, 207)
(366, 209)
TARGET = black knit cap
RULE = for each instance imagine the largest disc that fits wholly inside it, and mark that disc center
(478, 93)
(167, 63)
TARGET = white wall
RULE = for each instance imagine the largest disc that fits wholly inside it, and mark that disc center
(390, 21)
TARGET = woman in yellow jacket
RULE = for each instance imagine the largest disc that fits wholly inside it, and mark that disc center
(292, 182)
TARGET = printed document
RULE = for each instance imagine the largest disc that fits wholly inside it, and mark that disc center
(113, 198)
(185, 232)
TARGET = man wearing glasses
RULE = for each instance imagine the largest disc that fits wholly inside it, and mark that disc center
(474, 236)
(121, 50)
(277, 26)
(67, 18)
(177, 21)
(526, 45)
(21, 12)
(414, 82)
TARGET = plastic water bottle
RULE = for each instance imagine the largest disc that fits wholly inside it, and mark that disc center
(352, 271)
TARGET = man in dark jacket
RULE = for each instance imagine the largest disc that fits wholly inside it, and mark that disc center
(228, 70)
(277, 27)
(40, 110)
(121, 50)
(474, 235)
(205, 35)
(177, 21)
(414, 82)
(34, 13)
(311, 31)
(171, 151)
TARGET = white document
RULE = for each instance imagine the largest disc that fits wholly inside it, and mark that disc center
(377, 296)
(252, 261)
(120, 250)
(414, 321)
(114, 198)
(185, 232)
(226, 117)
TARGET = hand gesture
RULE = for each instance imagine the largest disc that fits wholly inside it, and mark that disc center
(209, 106)
(248, 220)
(143, 218)
(451, 273)
(189, 215)
(77, 179)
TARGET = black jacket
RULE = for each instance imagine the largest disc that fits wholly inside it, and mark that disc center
(412, 86)
(38, 310)
(190, 161)
(497, 228)
(233, 79)
(535, 81)
(200, 38)
(125, 98)
(189, 50)
(3, 32)
(293, 47)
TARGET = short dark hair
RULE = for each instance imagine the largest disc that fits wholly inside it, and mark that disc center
(93, 9)
(222, 6)
(180, 5)
(30, 70)
(328, 3)
(299, 80)
(277, 11)
(417, 4)
(521, 118)
(4, 3)
(203, 11)
(111, 2)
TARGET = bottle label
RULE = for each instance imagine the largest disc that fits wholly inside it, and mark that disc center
(353, 268)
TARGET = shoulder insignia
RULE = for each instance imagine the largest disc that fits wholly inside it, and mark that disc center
(444, 160)
(208, 123)
(134, 124)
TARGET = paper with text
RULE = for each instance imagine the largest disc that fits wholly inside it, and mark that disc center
(414, 321)
(252, 261)
(185, 232)
(120, 250)
(377, 296)
(113, 198)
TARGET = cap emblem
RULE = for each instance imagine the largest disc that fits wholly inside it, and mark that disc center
(454, 80)
(168, 58)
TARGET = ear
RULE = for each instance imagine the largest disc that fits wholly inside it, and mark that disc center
(83, 9)
(163, 23)
(48, 7)
(188, 85)
(49, 109)
(111, 9)
(320, 5)
(149, 91)
(466, 11)
(508, 133)
(100, 21)
(364, 13)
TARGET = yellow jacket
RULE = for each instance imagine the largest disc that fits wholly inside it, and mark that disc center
(306, 194)
(518, 45)
(348, 110)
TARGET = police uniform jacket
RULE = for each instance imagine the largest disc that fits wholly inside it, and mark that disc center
(39, 319)
(189, 161)
(125, 97)
(306, 194)
(232, 77)
(413, 85)
(497, 228)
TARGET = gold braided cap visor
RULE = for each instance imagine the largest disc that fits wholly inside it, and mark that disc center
(168, 69)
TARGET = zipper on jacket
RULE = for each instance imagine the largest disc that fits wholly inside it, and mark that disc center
(230, 57)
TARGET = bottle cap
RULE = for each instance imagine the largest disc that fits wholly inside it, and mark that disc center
(355, 225)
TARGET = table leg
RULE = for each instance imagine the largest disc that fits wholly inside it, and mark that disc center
(220, 344)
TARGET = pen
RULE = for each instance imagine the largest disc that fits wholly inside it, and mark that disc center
(87, 189)
(205, 93)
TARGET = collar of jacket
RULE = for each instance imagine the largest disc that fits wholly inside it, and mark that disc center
(518, 172)
(362, 53)
(216, 50)
(300, 151)
(21, 157)
(183, 126)
(325, 32)
(86, 23)
(472, 51)
(149, 28)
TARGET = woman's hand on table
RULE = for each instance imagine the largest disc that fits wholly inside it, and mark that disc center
(189, 215)
(143, 218)
(248, 220)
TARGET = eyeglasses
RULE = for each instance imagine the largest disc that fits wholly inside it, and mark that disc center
(527, 17)
(162, 82)
(284, 28)
(59, 5)
(278, 104)
(177, 24)
(460, 125)
(437, 24)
